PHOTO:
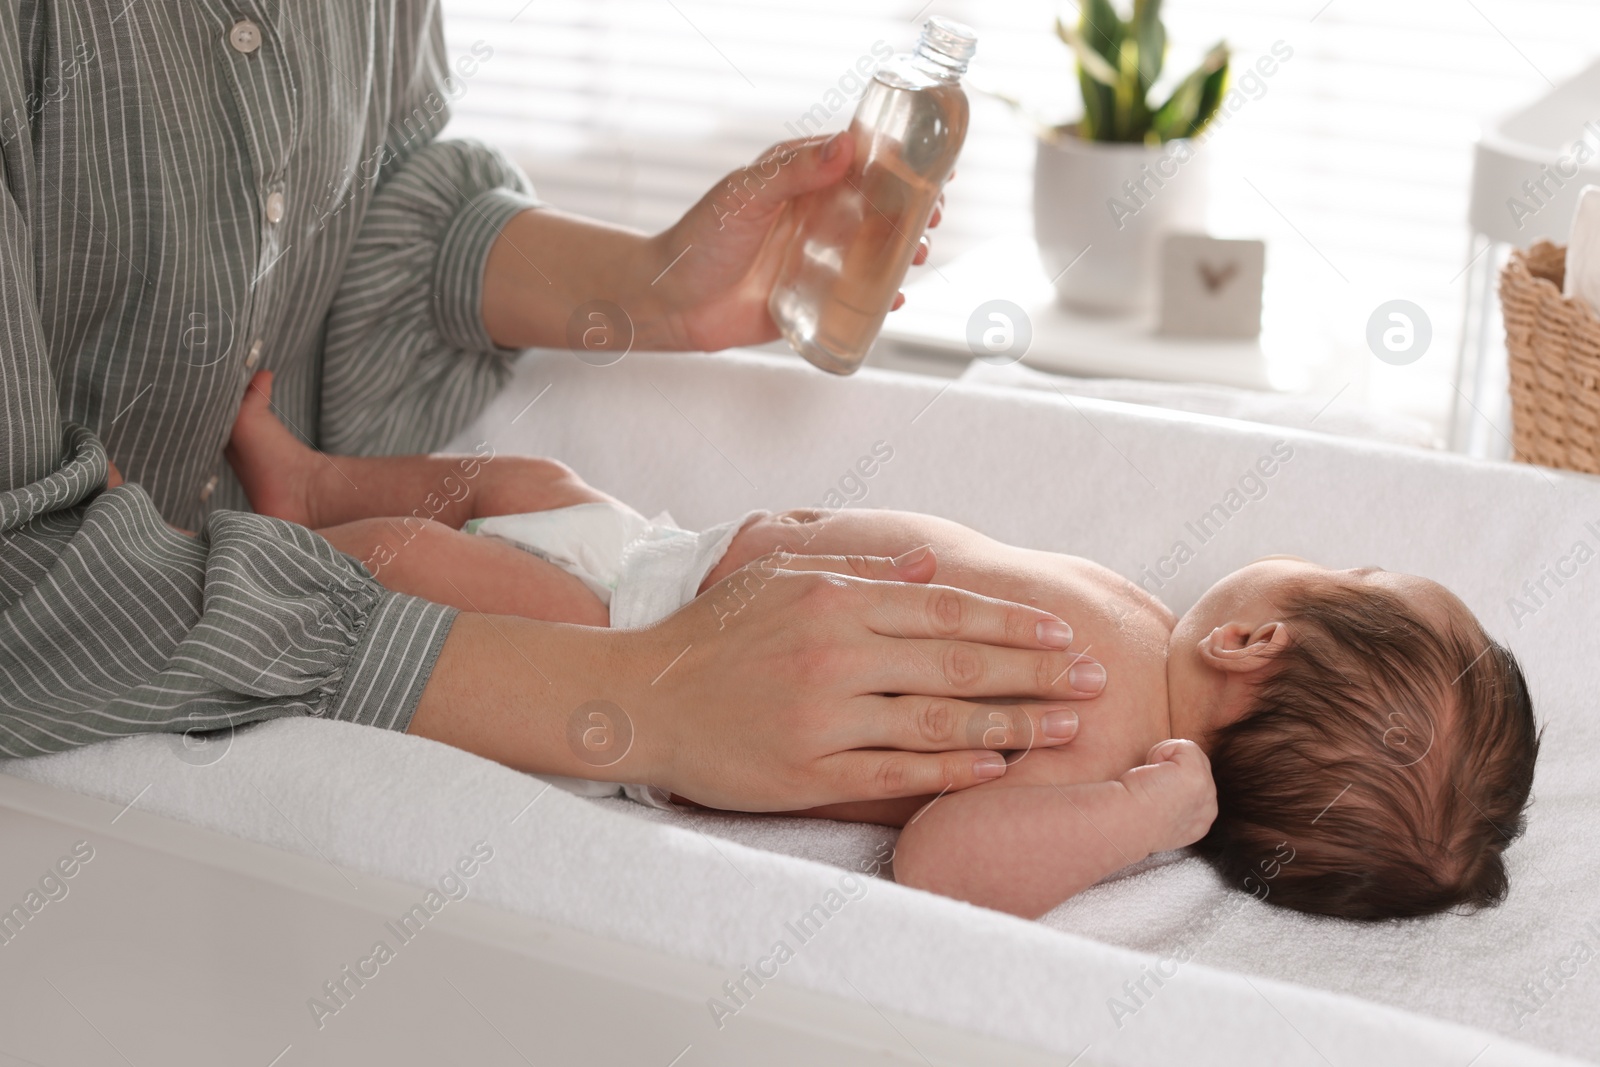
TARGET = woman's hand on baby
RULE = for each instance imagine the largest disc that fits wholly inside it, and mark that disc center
(768, 692)
(1175, 789)
(719, 261)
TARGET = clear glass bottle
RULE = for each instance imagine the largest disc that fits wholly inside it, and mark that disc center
(853, 242)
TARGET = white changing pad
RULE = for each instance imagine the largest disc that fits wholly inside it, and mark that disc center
(712, 436)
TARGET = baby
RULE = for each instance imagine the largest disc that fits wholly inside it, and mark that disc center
(1371, 748)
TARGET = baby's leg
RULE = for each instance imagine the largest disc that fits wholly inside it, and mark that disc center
(478, 574)
(288, 480)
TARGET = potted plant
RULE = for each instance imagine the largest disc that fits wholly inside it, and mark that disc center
(1109, 187)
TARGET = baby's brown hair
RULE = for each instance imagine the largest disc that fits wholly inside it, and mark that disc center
(1382, 767)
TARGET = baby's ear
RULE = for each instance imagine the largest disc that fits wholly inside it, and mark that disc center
(1240, 648)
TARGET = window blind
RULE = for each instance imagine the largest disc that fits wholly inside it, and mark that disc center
(1353, 161)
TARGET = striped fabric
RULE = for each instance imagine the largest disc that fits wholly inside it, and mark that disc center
(194, 190)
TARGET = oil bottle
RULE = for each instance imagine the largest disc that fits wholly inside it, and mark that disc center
(853, 242)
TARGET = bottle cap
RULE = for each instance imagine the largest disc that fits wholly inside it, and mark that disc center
(950, 38)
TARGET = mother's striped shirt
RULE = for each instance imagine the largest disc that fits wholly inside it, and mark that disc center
(193, 191)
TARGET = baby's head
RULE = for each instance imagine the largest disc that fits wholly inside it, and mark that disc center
(1373, 748)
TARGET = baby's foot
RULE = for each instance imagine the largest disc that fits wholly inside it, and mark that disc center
(277, 470)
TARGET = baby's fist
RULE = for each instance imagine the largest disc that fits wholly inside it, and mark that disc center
(1175, 789)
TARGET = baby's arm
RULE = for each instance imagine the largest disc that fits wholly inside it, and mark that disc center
(1023, 848)
(478, 574)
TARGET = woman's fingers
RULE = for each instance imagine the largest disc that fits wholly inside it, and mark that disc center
(939, 724)
(905, 610)
(810, 646)
(888, 775)
(967, 669)
(916, 565)
(938, 611)
(918, 259)
(948, 642)
(784, 171)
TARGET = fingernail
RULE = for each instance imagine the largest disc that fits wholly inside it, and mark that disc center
(989, 766)
(1060, 725)
(1055, 633)
(830, 147)
(916, 555)
(1087, 677)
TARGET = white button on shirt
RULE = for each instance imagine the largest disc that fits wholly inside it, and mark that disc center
(207, 489)
(245, 36)
(253, 356)
(275, 205)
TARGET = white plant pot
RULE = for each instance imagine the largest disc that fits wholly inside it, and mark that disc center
(1117, 201)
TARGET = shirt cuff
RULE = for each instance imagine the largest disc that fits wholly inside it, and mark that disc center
(392, 662)
(458, 270)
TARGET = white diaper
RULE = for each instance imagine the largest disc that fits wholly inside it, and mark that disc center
(643, 569)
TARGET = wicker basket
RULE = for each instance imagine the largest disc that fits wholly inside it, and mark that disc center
(1553, 345)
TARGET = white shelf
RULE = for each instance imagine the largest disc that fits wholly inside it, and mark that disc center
(939, 304)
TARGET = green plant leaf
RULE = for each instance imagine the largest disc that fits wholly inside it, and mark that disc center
(1090, 61)
(1097, 76)
(1148, 30)
(1216, 87)
(1132, 113)
(1098, 104)
(1194, 103)
(1102, 29)
(1179, 111)
(1103, 48)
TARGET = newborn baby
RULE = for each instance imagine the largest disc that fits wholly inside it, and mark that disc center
(1372, 748)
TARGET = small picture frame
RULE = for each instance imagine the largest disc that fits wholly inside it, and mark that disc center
(1211, 287)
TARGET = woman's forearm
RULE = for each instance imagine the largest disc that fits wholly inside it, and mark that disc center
(783, 709)
(551, 273)
(510, 689)
(558, 280)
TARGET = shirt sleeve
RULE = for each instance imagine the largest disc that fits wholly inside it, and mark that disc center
(408, 361)
(111, 623)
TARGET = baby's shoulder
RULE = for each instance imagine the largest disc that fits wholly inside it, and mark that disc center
(1138, 599)
(1113, 589)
